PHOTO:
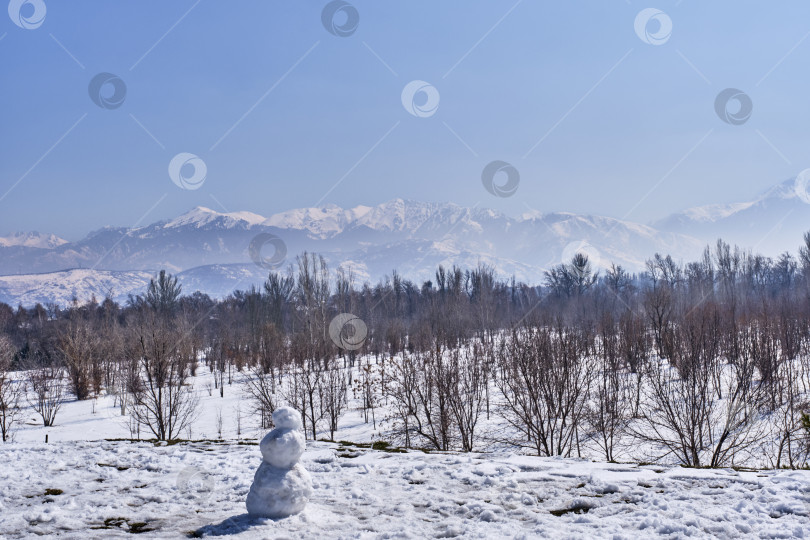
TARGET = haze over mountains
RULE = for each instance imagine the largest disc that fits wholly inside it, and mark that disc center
(771, 223)
(209, 250)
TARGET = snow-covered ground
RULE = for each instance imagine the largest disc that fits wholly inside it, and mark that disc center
(114, 488)
(109, 489)
(100, 418)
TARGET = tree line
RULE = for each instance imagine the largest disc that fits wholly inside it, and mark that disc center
(704, 363)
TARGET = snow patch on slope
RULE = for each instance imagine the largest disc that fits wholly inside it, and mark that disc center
(714, 212)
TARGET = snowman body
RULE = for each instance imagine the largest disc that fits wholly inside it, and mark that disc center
(281, 487)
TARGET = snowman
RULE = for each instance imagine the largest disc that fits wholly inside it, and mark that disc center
(281, 486)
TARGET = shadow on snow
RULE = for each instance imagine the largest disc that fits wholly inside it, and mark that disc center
(232, 525)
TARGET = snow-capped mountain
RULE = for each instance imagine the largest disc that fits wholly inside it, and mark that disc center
(771, 223)
(83, 284)
(200, 217)
(32, 240)
(209, 250)
(62, 287)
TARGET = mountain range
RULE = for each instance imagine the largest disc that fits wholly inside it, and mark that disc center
(210, 251)
(771, 223)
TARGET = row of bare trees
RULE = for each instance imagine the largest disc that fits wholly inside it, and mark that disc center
(558, 390)
(706, 364)
(703, 363)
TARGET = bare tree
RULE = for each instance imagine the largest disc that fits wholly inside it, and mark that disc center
(366, 386)
(402, 392)
(468, 380)
(217, 359)
(303, 388)
(333, 396)
(219, 423)
(436, 423)
(420, 390)
(261, 387)
(80, 348)
(545, 382)
(634, 351)
(161, 402)
(10, 391)
(47, 391)
(611, 401)
(790, 420)
(690, 411)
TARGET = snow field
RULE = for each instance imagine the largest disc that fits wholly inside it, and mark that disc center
(112, 488)
(115, 488)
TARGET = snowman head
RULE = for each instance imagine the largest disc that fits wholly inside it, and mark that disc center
(287, 418)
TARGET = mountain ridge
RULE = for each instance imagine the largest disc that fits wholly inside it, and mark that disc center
(773, 221)
(211, 251)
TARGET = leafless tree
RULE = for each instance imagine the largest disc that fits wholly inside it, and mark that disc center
(420, 390)
(545, 382)
(689, 411)
(219, 423)
(467, 386)
(305, 379)
(47, 384)
(365, 385)
(658, 302)
(261, 387)
(405, 377)
(634, 351)
(10, 391)
(333, 396)
(161, 402)
(217, 359)
(433, 399)
(262, 380)
(790, 420)
(80, 348)
(611, 402)
(312, 294)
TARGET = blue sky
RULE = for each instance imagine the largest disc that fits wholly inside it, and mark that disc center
(280, 110)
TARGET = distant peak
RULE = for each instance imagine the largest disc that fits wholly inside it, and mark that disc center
(32, 239)
(783, 190)
(201, 215)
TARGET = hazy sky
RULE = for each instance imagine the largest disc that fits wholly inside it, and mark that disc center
(281, 111)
